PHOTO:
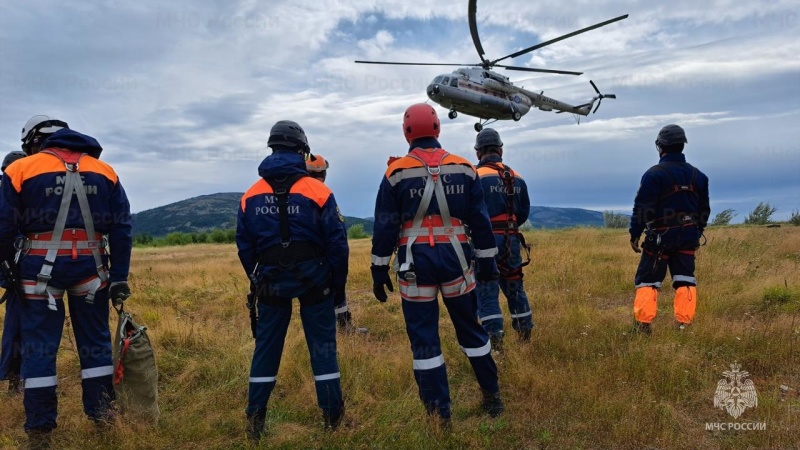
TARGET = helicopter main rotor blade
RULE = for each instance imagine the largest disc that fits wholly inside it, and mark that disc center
(531, 69)
(472, 9)
(561, 38)
(414, 63)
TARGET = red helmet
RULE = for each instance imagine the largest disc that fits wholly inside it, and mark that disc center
(420, 120)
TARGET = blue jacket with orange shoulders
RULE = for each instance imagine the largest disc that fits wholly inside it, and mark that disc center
(400, 194)
(32, 190)
(314, 218)
(494, 191)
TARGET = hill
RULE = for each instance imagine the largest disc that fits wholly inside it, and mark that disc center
(218, 211)
(550, 217)
(200, 214)
(203, 213)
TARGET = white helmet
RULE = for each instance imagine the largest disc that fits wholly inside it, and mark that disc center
(38, 127)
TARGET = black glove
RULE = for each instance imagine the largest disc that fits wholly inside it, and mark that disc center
(635, 245)
(486, 269)
(119, 292)
(380, 280)
(339, 295)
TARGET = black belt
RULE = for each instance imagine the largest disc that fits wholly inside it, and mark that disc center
(295, 252)
(510, 226)
(675, 220)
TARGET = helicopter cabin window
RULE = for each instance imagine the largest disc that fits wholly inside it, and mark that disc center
(454, 82)
(446, 80)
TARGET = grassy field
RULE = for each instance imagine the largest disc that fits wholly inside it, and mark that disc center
(583, 382)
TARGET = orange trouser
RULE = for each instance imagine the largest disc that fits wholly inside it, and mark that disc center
(645, 304)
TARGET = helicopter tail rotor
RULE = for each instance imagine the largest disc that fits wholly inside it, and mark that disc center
(600, 96)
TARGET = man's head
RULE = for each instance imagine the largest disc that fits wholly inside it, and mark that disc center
(317, 167)
(288, 136)
(11, 157)
(420, 120)
(488, 142)
(36, 130)
(671, 139)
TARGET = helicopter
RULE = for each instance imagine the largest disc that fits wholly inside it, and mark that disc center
(478, 91)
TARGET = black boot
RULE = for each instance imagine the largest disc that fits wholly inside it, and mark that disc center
(643, 328)
(344, 322)
(332, 418)
(492, 403)
(39, 439)
(497, 341)
(442, 416)
(255, 426)
(14, 384)
(525, 335)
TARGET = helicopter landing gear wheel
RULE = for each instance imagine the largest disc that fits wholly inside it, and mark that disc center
(516, 116)
(478, 127)
(452, 115)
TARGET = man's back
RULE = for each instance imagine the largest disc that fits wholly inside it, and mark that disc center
(492, 173)
(668, 192)
(402, 190)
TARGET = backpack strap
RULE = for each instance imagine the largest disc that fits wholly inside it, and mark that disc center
(281, 187)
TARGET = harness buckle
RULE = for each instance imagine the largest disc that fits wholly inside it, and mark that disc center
(72, 167)
(285, 244)
(42, 278)
(411, 277)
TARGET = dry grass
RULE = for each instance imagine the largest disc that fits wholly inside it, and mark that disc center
(583, 382)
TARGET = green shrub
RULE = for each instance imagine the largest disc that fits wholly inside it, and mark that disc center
(357, 232)
(778, 295)
(761, 214)
(795, 219)
(724, 218)
(178, 239)
(615, 220)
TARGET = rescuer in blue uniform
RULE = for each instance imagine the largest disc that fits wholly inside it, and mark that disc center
(508, 205)
(70, 206)
(672, 209)
(293, 244)
(10, 350)
(429, 206)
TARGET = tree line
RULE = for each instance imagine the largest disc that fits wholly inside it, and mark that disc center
(760, 215)
(217, 236)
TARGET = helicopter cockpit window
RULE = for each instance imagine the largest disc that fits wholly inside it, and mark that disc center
(454, 82)
(446, 80)
(438, 79)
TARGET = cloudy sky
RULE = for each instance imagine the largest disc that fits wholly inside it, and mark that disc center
(182, 94)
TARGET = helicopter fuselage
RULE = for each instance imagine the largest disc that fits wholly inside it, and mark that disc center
(466, 90)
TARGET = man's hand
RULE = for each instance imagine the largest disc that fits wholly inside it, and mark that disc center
(339, 295)
(380, 281)
(486, 269)
(635, 245)
(119, 292)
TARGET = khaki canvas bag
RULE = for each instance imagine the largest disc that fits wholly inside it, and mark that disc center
(135, 372)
